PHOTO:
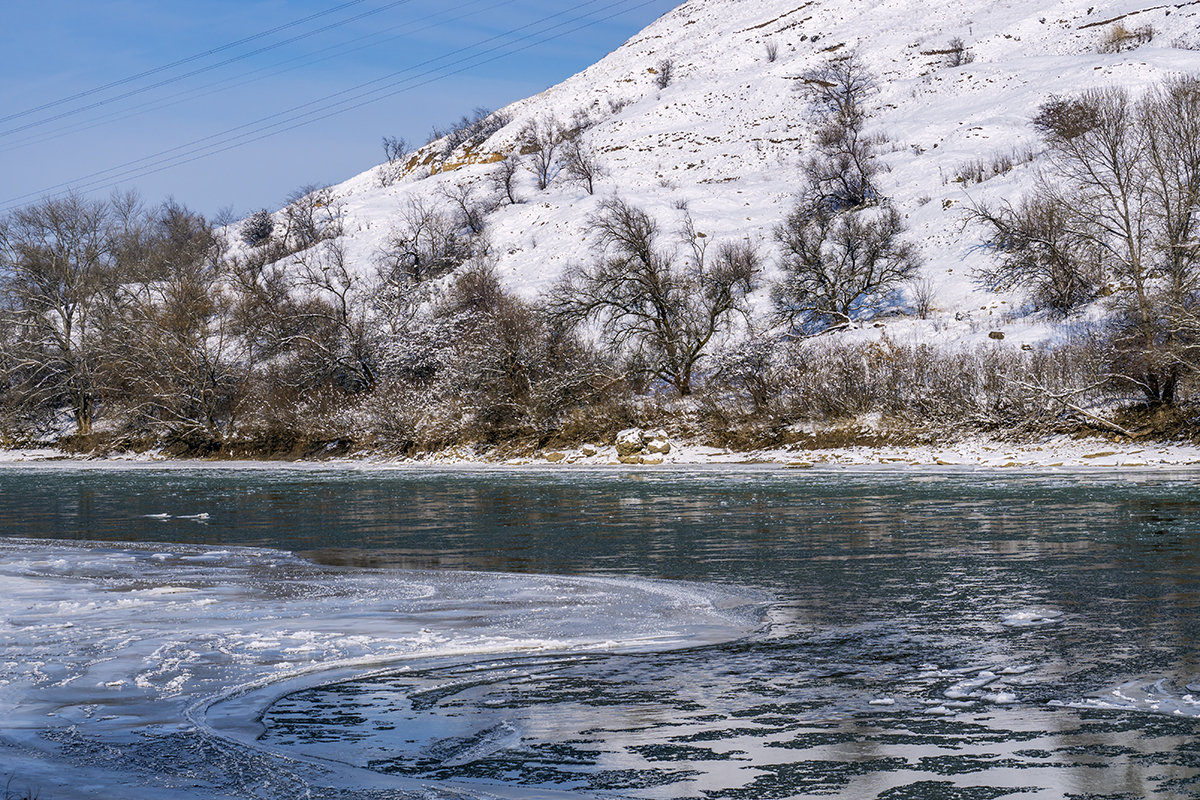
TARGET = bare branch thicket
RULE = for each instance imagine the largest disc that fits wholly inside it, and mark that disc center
(930, 388)
(582, 164)
(312, 214)
(540, 143)
(55, 264)
(171, 353)
(924, 295)
(772, 48)
(427, 243)
(470, 132)
(1118, 38)
(649, 307)
(1119, 205)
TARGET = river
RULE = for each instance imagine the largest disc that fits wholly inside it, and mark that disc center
(734, 632)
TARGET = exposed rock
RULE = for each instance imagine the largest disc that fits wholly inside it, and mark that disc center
(554, 458)
(997, 335)
(629, 442)
(630, 459)
(589, 450)
(660, 446)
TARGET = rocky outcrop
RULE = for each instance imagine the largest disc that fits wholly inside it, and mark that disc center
(637, 446)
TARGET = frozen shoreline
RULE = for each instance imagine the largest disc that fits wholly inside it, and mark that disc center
(1051, 453)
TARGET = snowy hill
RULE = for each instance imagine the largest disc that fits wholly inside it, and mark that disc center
(727, 134)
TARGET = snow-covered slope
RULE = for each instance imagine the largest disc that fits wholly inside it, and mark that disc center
(727, 135)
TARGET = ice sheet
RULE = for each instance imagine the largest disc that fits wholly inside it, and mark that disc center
(117, 662)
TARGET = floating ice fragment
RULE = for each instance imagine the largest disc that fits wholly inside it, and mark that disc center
(1000, 698)
(882, 701)
(1031, 618)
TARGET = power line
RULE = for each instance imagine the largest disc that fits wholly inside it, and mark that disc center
(199, 71)
(195, 57)
(224, 140)
(237, 81)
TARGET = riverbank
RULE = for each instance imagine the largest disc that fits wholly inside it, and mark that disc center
(1051, 452)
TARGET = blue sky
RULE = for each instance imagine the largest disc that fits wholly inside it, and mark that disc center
(72, 113)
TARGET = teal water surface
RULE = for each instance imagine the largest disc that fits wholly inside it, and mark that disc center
(928, 634)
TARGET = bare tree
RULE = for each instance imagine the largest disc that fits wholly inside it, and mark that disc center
(472, 212)
(582, 164)
(772, 48)
(312, 214)
(395, 149)
(177, 364)
(331, 325)
(257, 228)
(504, 178)
(1035, 248)
(841, 175)
(1124, 178)
(958, 54)
(839, 265)
(665, 73)
(55, 261)
(397, 152)
(541, 141)
(843, 251)
(648, 305)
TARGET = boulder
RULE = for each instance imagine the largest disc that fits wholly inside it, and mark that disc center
(659, 446)
(589, 450)
(629, 442)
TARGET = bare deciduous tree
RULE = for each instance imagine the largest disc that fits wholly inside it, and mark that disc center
(257, 229)
(647, 304)
(1123, 188)
(841, 175)
(171, 351)
(839, 265)
(472, 212)
(958, 54)
(541, 141)
(504, 178)
(582, 164)
(55, 261)
(1035, 249)
(312, 214)
(665, 73)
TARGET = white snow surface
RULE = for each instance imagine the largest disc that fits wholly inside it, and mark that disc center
(728, 134)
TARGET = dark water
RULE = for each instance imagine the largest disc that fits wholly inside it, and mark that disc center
(932, 635)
